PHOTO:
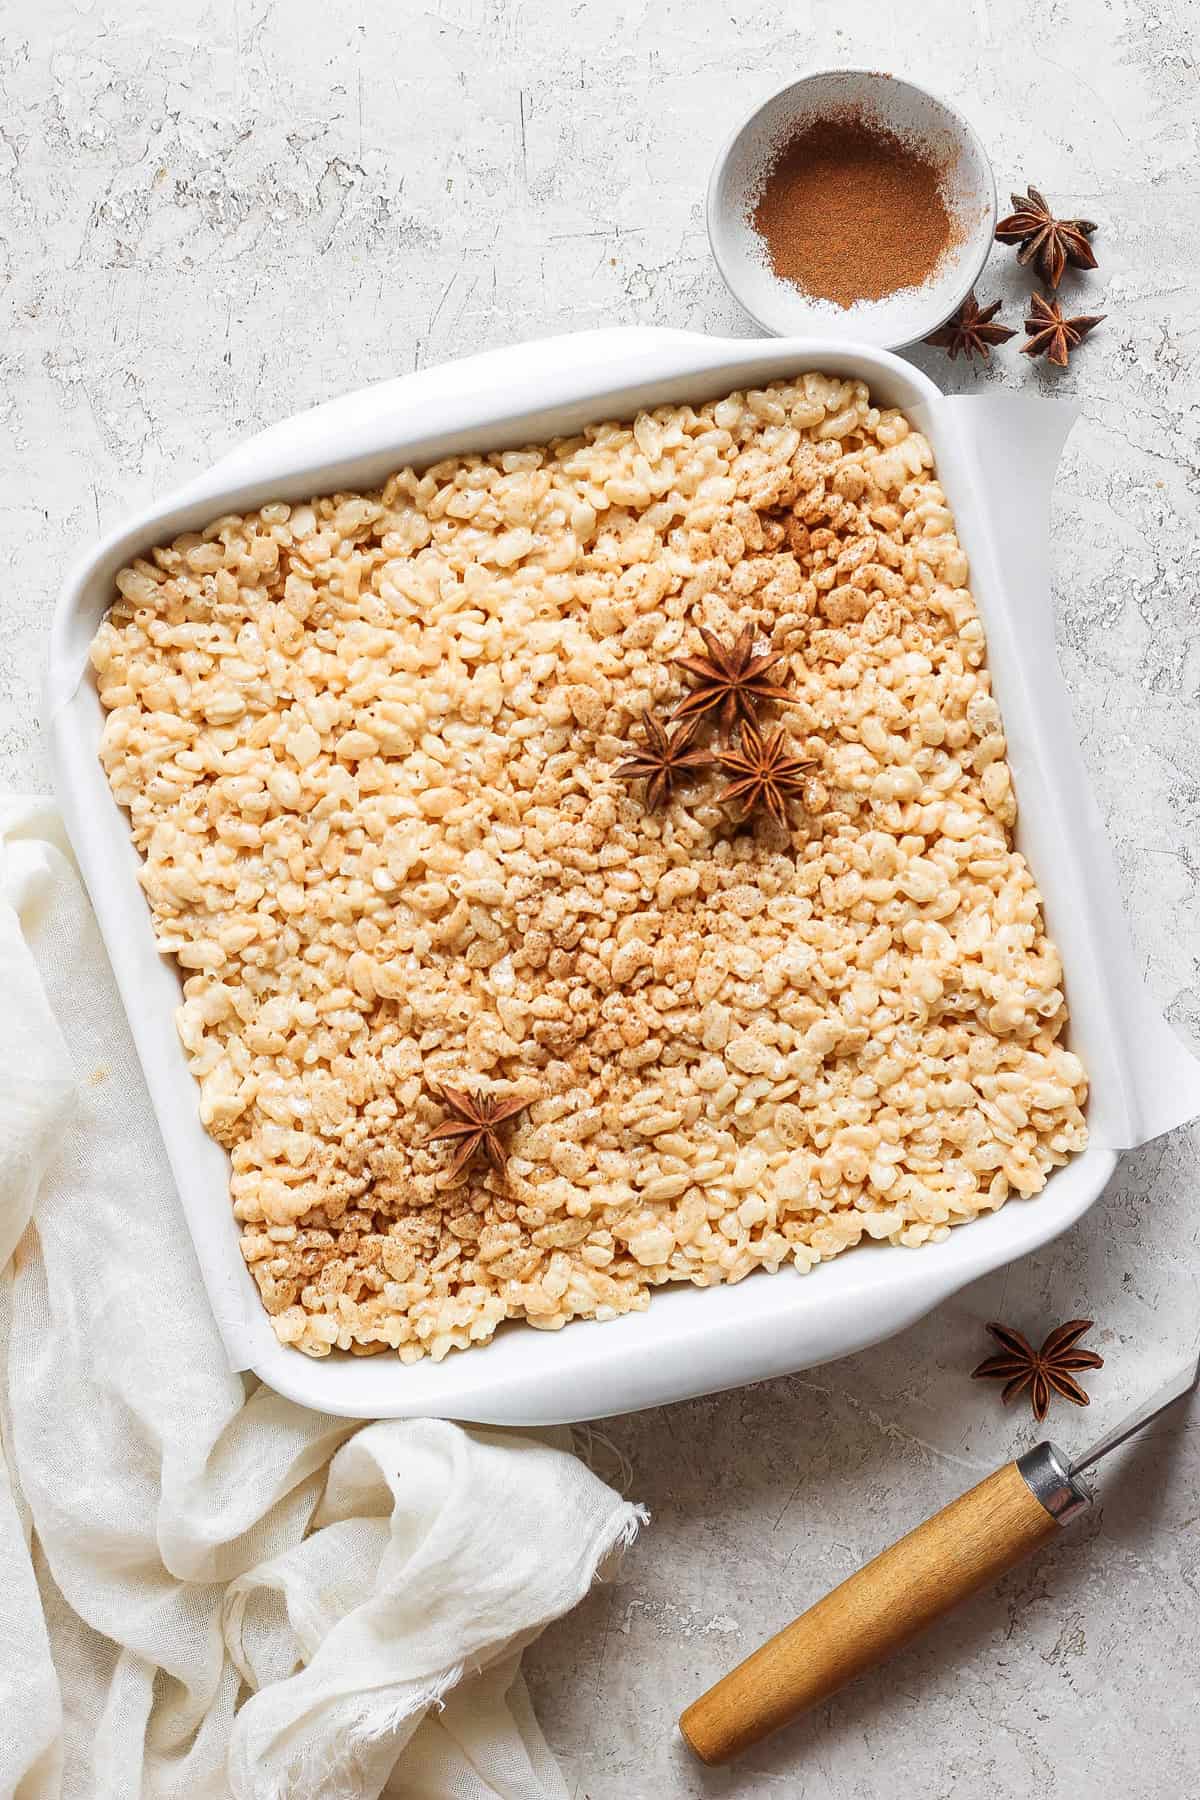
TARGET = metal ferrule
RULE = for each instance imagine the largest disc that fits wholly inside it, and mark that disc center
(1048, 1477)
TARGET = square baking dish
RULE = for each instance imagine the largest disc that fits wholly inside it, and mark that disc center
(996, 471)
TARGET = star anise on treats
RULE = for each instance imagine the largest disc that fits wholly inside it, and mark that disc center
(474, 1123)
(665, 758)
(732, 681)
(1043, 1372)
(1051, 335)
(765, 773)
(1049, 243)
(971, 330)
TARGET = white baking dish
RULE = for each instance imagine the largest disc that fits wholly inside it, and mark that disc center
(995, 459)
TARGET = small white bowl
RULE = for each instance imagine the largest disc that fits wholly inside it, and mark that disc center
(908, 112)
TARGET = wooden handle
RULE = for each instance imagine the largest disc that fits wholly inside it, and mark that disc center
(888, 1602)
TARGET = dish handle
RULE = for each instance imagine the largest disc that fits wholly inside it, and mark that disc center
(360, 423)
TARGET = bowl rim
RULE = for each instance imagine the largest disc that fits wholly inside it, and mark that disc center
(713, 211)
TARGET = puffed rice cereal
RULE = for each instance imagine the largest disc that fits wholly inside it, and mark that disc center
(367, 747)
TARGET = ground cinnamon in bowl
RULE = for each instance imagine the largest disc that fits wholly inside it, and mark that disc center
(847, 211)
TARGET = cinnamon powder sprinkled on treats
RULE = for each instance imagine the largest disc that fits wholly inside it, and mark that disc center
(848, 211)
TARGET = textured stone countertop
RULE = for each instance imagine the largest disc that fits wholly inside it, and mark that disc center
(212, 215)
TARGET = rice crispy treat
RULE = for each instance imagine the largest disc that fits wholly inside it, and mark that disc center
(368, 747)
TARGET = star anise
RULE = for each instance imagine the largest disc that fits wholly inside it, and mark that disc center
(970, 330)
(765, 772)
(1042, 1371)
(1047, 242)
(733, 681)
(1051, 335)
(476, 1117)
(665, 758)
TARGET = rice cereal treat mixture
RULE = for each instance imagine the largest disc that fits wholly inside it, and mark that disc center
(368, 747)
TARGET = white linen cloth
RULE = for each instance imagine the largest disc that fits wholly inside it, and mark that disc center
(206, 1590)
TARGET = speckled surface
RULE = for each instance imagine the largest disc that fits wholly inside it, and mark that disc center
(214, 214)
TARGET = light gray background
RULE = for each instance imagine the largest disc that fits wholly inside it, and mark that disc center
(212, 215)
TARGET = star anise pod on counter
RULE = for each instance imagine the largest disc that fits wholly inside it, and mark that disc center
(732, 681)
(970, 330)
(474, 1123)
(665, 758)
(1043, 1371)
(765, 773)
(1047, 242)
(1051, 335)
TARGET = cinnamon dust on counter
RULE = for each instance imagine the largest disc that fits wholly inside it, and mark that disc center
(848, 211)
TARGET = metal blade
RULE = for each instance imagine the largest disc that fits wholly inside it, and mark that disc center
(1182, 1382)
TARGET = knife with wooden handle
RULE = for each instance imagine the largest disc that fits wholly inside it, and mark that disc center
(906, 1588)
